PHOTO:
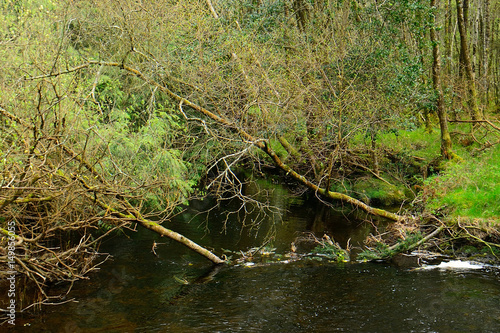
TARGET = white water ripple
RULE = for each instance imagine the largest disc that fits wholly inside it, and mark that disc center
(455, 265)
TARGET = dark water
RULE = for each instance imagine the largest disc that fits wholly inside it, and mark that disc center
(140, 292)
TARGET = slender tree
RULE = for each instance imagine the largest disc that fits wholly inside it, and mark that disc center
(462, 10)
(446, 144)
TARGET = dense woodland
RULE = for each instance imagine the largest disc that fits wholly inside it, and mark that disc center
(117, 113)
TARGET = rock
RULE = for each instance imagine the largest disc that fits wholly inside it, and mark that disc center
(406, 260)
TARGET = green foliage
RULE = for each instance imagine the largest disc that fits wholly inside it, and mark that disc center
(382, 251)
(18, 15)
(410, 240)
(147, 155)
(103, 226)
(256, 16)
(332, 251)
(469, 188)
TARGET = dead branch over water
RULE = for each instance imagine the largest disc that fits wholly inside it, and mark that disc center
(62, 204)
(262, 144)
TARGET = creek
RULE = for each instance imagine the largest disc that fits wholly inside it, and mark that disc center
(177, 290)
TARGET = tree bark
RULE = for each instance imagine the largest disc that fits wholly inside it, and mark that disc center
(486, 47)
(446, 145)
(448, 35)
(465, 60)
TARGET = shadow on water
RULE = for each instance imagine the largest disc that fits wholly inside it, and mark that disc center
(179, 291)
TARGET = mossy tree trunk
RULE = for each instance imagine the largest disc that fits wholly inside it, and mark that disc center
(260, 143)
(446, 144)
(465, 62)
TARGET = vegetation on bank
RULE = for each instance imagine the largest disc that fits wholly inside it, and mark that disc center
(459, 197)
(468, 188)
(114, 114)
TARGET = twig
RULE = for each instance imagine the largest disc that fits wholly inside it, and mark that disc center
(476, 121)
(422, 241)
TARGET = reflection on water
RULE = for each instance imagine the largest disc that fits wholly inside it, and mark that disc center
(141, 292)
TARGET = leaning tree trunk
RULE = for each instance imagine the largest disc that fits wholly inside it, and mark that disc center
(485, 36)
(260, 143)
(125, 212)
(162, 231)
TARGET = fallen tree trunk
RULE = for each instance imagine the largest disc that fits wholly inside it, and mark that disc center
(164, 232)
(159, 229)
(136, 216)
(126, 211)
(260, 143)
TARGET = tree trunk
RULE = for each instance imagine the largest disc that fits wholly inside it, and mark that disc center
(465, 16)
(181, 239)
(466, 62)
(153, 226)
(446, 145)
(495, 68)
(301, 13)
(448, 35)
(257, 142)
(485, 48)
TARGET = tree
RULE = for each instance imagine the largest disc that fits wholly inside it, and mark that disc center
(81, 157)
(465, 62)
(129, 111)
(446, 145)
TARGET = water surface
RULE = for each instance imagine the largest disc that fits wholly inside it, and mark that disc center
(139, 291)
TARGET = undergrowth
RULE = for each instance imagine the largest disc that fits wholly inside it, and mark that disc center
(384, 251)
(469, 188)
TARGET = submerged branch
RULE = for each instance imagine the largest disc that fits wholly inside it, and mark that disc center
(422, 241)
(132, 214)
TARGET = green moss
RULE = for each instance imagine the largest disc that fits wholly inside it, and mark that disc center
(417, 142)
(373, 191)
(278, 149)
(379, 192)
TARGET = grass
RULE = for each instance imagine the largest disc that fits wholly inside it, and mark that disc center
(418, 142)
(426, 145)
(469, 188)
(415, 142)
(466, 188)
